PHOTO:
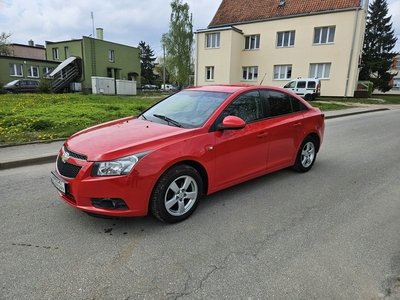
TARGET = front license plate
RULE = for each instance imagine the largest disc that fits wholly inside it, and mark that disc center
(59, 184)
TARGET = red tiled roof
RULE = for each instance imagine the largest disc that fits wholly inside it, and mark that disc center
(239, 11)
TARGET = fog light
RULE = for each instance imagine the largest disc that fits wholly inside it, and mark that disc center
(109, 203)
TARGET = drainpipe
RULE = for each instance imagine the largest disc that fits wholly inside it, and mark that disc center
(196, 69)
(351, 51)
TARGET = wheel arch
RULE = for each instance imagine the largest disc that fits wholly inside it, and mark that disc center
(194, 164)
(315, 136)
(199, 168)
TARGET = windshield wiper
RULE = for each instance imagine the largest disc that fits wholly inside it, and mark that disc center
(168, 120)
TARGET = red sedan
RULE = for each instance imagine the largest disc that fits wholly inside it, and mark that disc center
(193, 143)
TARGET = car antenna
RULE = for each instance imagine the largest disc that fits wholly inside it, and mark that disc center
(263, 79)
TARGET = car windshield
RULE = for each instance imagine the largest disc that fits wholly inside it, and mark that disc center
(186, 109)
(12, 82)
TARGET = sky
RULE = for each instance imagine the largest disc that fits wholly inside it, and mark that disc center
(126, 22)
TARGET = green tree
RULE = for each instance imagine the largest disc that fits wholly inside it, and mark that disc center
(147, 63)
(178, 43)
(5, 48)
(379, 40)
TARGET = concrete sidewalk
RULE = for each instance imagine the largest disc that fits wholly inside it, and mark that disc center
(45, 152)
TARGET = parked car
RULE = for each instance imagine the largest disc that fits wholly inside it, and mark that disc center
(22, 86)
(308, 88)
(192, 143)
(149, 87)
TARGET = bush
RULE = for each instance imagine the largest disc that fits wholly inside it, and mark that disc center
(2, 90)
(44, 86)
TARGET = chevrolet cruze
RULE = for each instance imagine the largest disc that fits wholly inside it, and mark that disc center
(192, 143)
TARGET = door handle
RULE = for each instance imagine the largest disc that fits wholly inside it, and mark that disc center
(262, 134)
(297, 124)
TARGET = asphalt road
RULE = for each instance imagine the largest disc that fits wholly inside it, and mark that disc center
(332, 233)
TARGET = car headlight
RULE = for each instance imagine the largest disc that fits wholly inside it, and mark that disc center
(120, 166)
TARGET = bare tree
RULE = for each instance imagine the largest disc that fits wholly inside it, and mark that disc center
(5, 48)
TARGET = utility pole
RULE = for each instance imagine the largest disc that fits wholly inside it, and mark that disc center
(164, 67)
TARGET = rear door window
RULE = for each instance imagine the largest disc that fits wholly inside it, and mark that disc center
(301, 84)
(282, 104)
(311, 85)
(279, 103)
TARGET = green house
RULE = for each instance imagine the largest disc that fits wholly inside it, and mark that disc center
(72, 65)
(27, 62)
(82, 59)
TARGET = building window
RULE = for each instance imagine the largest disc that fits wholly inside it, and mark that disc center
(285, 39)
(209, 73)
(109, 73)
(56, 54)
(282, 72)
(47, 70)
(252, 42)
(111, 55)
(16, 70)
(320, 70)
(324, 35)
(33, 71)
(66, 52)
(212, 40)
(249, 73)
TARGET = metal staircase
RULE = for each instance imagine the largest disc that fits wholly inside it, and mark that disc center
(63, 79)
(64, 74)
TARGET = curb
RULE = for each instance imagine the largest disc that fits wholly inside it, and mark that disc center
(28, 162)
(355, 113)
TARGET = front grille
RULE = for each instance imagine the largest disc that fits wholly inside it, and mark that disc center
(66, 169)
(75, 155)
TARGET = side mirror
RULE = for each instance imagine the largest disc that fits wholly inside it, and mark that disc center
(232, 122)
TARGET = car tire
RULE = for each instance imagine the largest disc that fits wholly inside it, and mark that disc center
(306, 155)
(176, 194)
(308, 97)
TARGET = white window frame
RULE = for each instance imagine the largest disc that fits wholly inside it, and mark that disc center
(210, 73)
(288, 37)
(66, 52)
(282, 72)
(111, 57)
(252, 42)
(324, 35)
(14, 68)
(56, 54)
(320, 70)
(46, 70)
(213, 40)
(249, 73)
(32, 71)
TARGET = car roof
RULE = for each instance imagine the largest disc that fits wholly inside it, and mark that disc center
(232, 88)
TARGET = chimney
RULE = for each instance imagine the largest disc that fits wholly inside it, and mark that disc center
(30, 43)
(99, 33)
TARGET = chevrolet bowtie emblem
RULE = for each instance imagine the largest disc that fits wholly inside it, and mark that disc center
(65, 157)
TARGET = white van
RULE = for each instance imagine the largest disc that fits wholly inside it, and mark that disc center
(167, 87)
(308, 88)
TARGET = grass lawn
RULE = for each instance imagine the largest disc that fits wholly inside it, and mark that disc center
(45, 117)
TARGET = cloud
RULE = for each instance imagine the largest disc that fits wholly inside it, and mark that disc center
(123, 21)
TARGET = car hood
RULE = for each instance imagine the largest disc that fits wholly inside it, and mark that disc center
(123, 137)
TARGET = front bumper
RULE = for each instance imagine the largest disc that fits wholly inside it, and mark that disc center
(117, 196)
